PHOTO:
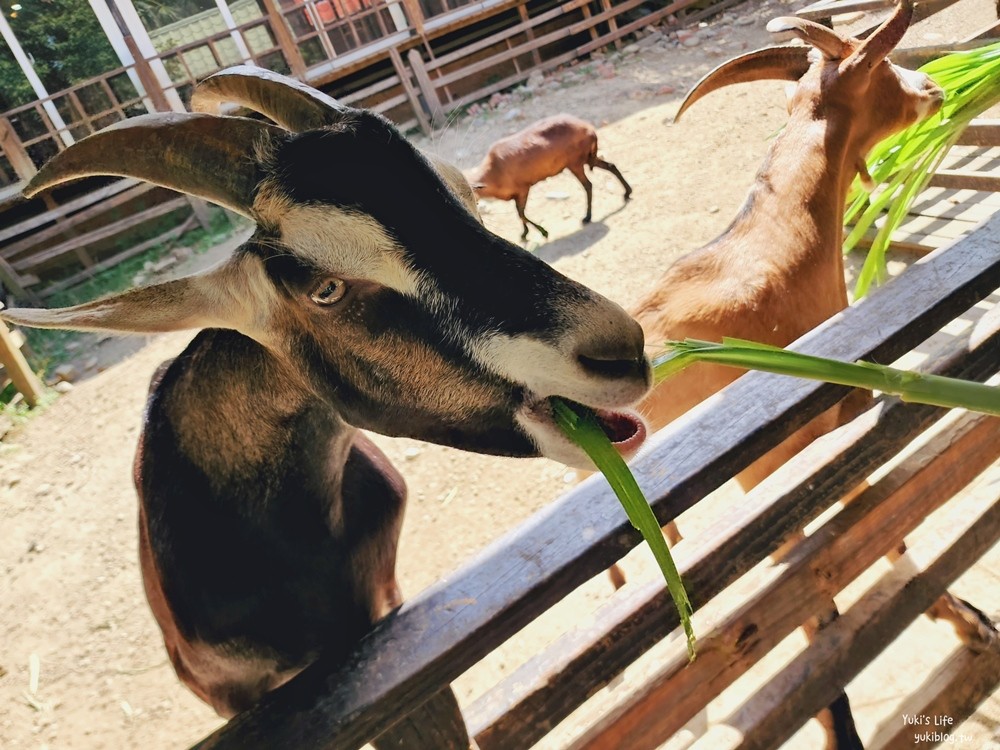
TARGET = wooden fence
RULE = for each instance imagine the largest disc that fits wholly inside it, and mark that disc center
(414, 60)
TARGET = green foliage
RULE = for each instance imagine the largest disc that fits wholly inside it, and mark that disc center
(65, 41)
(902, 165)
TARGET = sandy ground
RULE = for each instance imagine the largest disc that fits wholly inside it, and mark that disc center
(69, 582)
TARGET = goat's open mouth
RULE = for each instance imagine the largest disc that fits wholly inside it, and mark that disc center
(624, 429)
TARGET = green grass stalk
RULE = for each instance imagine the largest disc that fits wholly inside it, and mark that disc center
(580, 426)
(913, 387)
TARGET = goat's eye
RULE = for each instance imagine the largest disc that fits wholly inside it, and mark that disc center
(328, 291)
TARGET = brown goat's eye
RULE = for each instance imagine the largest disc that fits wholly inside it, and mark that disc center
(328, 291)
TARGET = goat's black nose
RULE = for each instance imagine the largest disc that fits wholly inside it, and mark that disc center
(615, 357)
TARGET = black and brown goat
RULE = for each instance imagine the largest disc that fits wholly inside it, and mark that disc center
(542, 150)
(268, 522)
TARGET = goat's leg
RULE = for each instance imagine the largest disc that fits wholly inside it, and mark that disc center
(588, 187)
(520, 201)
(972, 626)
(609, 167)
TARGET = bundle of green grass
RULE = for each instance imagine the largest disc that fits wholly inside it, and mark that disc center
(901, 166)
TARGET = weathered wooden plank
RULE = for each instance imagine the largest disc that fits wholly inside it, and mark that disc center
(954, 690)
(109, 230)
(983, 132)
(66, 208)
(817, 568)
(842, 649)
(549, 686)
(427, 88)
(17, 368)
(436, 725)
(100, 207)
(961, 178)
(116, 259)
(446, 629)
(404, 78)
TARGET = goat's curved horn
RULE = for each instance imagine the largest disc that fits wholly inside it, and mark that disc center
(831, 44)
(203, 155)
(772, 63)
(883, 40)
(289, 102)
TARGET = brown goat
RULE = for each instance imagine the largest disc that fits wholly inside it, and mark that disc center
(542, 150)
(777, 271)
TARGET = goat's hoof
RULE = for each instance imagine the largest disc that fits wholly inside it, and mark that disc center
(586, 219)
(628, 196)
(545, 232)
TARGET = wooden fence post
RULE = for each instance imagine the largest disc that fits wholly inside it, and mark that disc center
(13, 361)
(18, 157)
(284, 38)
(411, 94)
(436, 725)
(431, 100)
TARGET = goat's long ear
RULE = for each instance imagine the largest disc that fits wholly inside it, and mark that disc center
(287, 101)
(882, 41)
(772, 63)
(234, 295)
(832, 45)
(458, 183)
(210, 157)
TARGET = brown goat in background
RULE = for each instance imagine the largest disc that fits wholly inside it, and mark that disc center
(542, 150)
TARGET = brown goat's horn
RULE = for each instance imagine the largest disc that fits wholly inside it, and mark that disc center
(289, 102)
(831, 44)
(883, 40)
(202, 155)
(771, 63)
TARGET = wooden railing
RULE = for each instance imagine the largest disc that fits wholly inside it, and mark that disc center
(398, 676)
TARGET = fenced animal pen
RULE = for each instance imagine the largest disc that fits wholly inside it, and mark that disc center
(416, 62)
(448, 628)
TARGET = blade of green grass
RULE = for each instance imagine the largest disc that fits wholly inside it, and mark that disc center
(582, 428)
(914, 387)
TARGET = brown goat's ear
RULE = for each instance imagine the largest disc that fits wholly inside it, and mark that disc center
(458, 183)
(234, 295)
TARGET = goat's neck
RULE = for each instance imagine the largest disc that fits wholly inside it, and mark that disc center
(801, 190)
(240, 411)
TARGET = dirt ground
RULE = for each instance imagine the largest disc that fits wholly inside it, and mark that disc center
(74, 615)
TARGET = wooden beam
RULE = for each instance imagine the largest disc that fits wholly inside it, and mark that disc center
(983, 133)
(435, 637)
(104, 232)
(283, 35)
(17, 155)
(954, 690)
(841, 650)
(435, 725)
(411, 95)
(116, 259)
(17, 368)
(427, 89)
(965, 179)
